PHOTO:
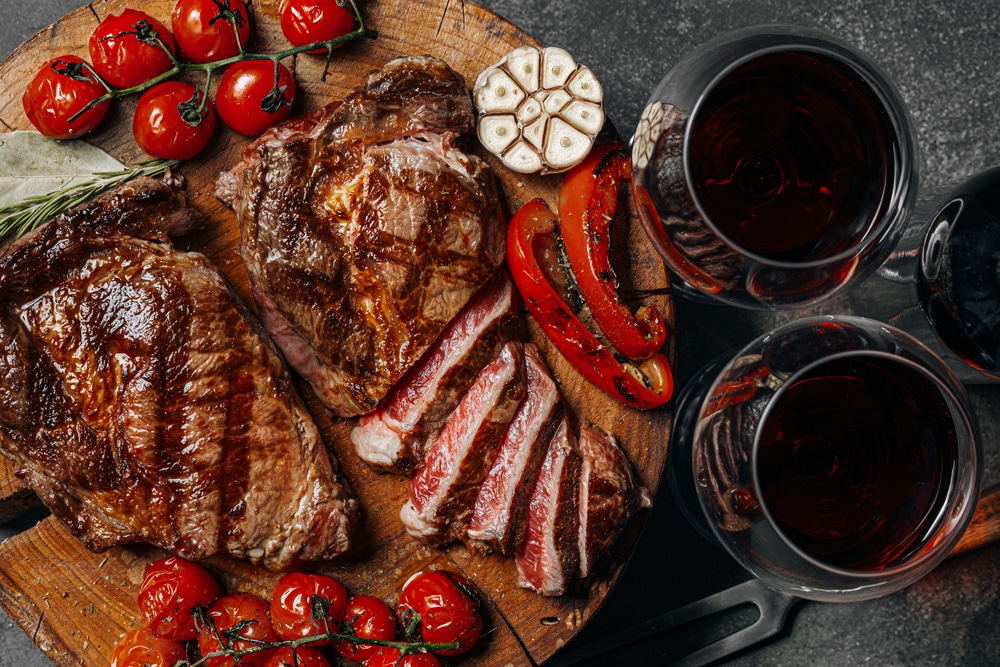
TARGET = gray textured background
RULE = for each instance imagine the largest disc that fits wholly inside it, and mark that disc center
(942, 57)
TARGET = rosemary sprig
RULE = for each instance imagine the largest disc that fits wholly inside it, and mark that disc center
(33, 211)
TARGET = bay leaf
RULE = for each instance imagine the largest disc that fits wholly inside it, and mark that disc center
(32, 164)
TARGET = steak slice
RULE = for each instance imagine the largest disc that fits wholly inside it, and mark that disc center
(365, 229)
(443, 492)
(609, 494)
(499, 519)
(141, 401)
(395, 436)
(549, 556)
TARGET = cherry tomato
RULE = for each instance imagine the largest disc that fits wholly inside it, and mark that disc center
(204, 29)
(228, 611)
(371, 618)
(247, 99)
(143, 648)
(443, 607)
(302, 602)
(304, 656)
(171, 588)
(308, 21)
(163, 119)
(60, 90)
(387, 656)
(125, 51)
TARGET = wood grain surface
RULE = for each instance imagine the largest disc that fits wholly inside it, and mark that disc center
(75, 604)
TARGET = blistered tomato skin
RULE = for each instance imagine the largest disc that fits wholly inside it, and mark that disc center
(238, 609)
(295, 599)
(442, 607)
(124, 49)
(308, 21)
(143, 648)
(162, 124)
(204, 28)
(60, 90)
(171, 588)
(371, 618)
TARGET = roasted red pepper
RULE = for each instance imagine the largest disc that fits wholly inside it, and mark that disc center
(588, 202)
(531, 254)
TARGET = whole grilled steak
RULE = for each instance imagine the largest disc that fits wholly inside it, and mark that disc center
(142, 402)
(365, 230)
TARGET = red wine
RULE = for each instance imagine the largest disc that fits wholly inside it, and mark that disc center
(855, 459)
(791, 156)
(960, 272)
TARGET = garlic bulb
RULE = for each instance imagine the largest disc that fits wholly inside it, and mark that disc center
(539, 110)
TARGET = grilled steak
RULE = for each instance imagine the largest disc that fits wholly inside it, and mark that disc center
(609, 494)
(142, 402)
(396, 434)
(443, 492)
(365, 230)
(499, 518)
(548, 559)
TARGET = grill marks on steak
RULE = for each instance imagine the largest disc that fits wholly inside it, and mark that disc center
(142, 402)
(442, 494)
(365, 230)
(396, 434)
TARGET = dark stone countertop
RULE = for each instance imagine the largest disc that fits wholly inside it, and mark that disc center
(941, 57)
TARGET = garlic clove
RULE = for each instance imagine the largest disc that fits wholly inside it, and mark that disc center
(557, 66)
(555, 101)
(499, 92)
(523, 64)
(565, 145)
(498, 131)
(584, 116)
(530, 110)
(522, 158)
(535, 133)
(584, 85)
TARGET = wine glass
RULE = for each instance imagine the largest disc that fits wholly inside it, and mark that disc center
(772, 167)
(836, 458)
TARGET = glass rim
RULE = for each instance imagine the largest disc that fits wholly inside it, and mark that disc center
(966, 429)
(794, 39)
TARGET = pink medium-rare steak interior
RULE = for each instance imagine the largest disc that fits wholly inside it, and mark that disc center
(365, 229)
(143, 402)
(396, 434)
(499, 518)
(443, 492)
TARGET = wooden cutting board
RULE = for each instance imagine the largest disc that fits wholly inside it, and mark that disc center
(75, 604)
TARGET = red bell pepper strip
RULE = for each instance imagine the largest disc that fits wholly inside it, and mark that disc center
(531, 239)
(588, 202)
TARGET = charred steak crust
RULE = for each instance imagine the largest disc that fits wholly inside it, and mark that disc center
(365, 229)
(142, 402)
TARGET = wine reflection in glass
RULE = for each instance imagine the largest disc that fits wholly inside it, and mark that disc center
(835, 458)
(772, 167)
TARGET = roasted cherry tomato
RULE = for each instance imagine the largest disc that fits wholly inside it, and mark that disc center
(371, 618)
(308, 21)
(204, 28)
(170, 121)
(307, 604)
(534, 264)
(303, 656)
(171, 588)
(143, 648)
(126, 51)
(441, 607)
(60, 91)
(249, 101)
(227, 612)
(386, 656)
(588, 201)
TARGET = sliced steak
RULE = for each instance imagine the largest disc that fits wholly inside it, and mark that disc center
(443, 492)
(395, 436)
(609, 494)
(365, 229)
(548, 559)
(141, 400)
(499, 519)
